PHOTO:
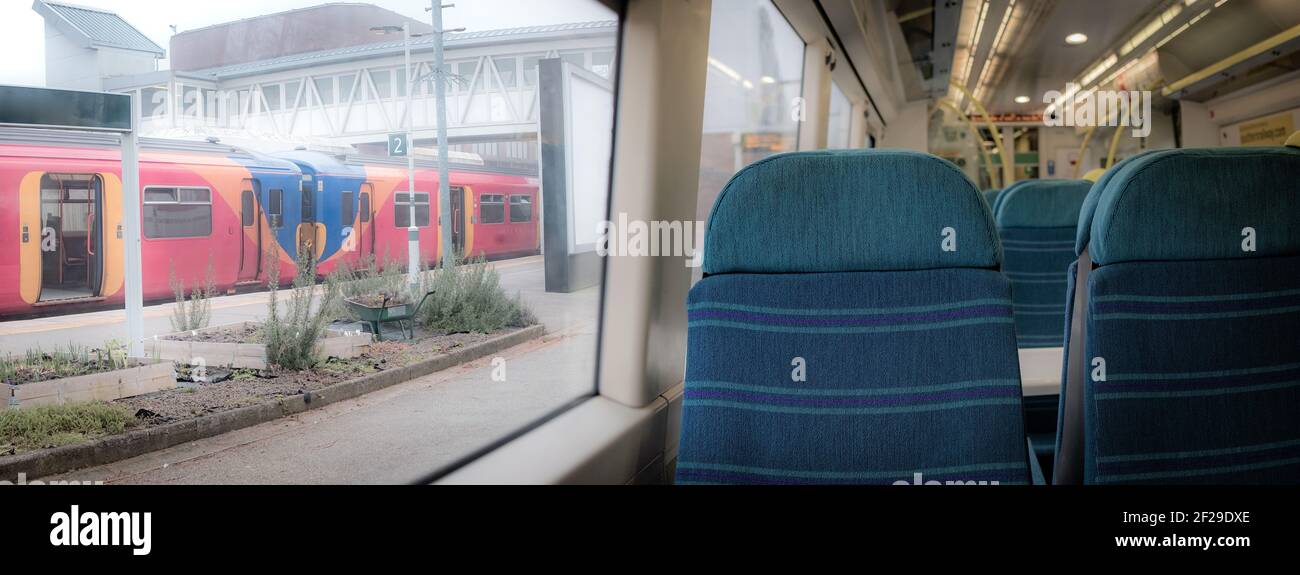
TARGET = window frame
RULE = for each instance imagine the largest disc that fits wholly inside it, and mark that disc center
(275, 208)
(482, 199)
(401, 207)
(510, 208)
(145, 202)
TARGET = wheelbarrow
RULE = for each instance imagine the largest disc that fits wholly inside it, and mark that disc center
(388, 311)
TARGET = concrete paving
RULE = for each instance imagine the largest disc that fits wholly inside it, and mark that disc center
(395, 435)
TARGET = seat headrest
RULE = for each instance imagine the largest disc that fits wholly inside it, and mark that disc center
(849, 210)
(1042, 204)
(1194, 204)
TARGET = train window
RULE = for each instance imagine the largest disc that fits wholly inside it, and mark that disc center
(246, 208)
(839, 119)
(177, 212)
(751, 45)
(521, 209)
(402, 210)
(347, 209)
(491, 209)
(275, 207)
(365, 207)
(308, 203)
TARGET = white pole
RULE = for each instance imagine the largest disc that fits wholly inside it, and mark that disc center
(440, 96)
(412, 232)
(131, 236)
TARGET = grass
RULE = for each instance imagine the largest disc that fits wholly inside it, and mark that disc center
(54, 425)
(292, 339)
(38, 365)
(197, 311)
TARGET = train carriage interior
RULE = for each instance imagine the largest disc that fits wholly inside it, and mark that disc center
(778, 242)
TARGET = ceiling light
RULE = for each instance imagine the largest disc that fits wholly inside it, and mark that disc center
(1022, 99)
(1076, 38)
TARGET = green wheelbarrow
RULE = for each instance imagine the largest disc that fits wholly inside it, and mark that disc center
(389, 309)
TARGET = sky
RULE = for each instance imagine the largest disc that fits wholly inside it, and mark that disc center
(22, 30)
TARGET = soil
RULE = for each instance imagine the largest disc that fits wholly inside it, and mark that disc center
(252, 386)
(242, 333)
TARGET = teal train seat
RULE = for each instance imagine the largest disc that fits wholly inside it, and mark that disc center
(1036, 221)
(851, 327)
(1183, 356)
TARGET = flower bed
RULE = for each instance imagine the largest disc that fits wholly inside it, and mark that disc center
(238, 345)
(137, 378)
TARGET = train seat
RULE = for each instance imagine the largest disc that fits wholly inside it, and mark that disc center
(1036, 223)
(1183, 358)
(851, 327)
(991, 196)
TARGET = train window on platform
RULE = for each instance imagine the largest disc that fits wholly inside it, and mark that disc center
(275, 208)
(365, 207)
(491, 209)
(246, 209)
(521, 209)
(177, 212)
(755, 76)
(402, 210)
(347, 210)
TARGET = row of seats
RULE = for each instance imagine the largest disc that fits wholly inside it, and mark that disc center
(855, 324)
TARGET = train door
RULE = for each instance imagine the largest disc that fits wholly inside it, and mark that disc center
(250, 222)
(307, 222)
(365, 232)
(458, 220)
(72, 239)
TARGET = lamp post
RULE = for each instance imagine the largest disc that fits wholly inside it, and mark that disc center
(412, 231)
(440, 95)
(440, 91)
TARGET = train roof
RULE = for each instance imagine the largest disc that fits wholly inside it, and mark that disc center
(70, 139)
(345, 163)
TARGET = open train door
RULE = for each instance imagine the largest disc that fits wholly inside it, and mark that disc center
(250, 222)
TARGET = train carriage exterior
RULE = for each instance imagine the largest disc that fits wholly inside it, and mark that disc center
(211, 206)
(203, 205)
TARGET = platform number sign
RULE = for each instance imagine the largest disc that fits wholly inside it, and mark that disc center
(397, 145)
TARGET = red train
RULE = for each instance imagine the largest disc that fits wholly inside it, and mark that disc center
(205, 203)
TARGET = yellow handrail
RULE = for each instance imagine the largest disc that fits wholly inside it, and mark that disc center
(1083, 150)
(1008, 173)
(979, 140)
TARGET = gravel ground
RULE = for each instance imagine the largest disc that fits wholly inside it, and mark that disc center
(250, 387)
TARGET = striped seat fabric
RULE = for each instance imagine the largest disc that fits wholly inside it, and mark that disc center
(1192, 332)
(1037, 221)
(883, 354)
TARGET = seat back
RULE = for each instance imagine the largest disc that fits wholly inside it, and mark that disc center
(1036, 222)
(851, 327)
(991, 196)
(1190, 369)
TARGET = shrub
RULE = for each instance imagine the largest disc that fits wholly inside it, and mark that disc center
(367, 279)
(198, 311)
(469, 298)
(54, 425)
(292, 340)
